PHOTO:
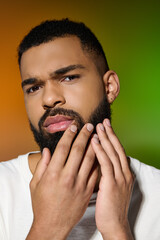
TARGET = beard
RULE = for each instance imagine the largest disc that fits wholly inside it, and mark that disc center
(50, 140)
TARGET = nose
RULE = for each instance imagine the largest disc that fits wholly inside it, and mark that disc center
(52, 96)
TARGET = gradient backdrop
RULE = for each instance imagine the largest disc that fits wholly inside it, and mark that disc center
(130, 34)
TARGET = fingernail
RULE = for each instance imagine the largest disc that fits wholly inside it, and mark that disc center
(108, 123)
(101, 126)
(42, 151)
(96, 138)
(90, 127)
(73, 128)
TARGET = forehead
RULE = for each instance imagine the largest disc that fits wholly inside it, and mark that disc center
(54, 55)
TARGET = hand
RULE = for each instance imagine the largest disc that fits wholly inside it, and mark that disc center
(62, 185)
(115, 185)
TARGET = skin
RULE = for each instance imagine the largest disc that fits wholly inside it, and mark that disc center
(56, 185)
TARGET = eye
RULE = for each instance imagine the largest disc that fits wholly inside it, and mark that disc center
(70, 78)
(32, 89)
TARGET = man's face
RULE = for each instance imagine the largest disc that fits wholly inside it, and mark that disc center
(59, 78)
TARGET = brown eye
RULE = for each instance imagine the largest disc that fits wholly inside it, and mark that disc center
(33, 89)
(70, 78)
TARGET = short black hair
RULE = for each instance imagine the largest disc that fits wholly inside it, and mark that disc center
(52, 29)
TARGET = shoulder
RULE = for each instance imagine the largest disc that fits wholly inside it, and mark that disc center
(146, 191)
(13, 169)
(147, 180)
(13, 165)
(144, 209)
(145, 173)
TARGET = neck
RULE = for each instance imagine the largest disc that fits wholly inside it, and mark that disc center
(33, 160)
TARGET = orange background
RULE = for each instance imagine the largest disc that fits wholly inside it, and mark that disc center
(130, 35)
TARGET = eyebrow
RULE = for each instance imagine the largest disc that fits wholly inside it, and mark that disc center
(66, 69)
(54, 74)
(29, 81)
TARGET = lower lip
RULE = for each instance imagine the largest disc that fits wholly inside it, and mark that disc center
(60, 126)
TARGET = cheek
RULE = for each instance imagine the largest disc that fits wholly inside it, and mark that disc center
(34, 112)
(86, 98)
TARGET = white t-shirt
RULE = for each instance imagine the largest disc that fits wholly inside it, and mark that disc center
(16, 214)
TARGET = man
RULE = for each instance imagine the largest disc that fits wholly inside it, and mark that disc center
(79, 186)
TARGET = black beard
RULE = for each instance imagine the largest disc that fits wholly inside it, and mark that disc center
(50, 141)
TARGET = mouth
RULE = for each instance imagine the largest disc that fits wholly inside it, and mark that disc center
(57, 123)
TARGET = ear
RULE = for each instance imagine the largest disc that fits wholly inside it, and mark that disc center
(112, 85)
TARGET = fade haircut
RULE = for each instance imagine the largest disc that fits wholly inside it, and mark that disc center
(52, 29)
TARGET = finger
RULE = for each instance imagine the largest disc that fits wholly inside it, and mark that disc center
(62, 149)
(106, 165)
(78, 149)
(87, 164)
(42, 165)
(118, 147)
(110, 150)
(93, 177)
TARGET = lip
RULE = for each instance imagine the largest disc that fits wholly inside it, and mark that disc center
(57, 123)
(55, 119)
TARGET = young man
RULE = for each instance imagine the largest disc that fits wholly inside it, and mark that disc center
(80, 184)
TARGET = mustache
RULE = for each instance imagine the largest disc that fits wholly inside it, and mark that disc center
(50, 140)
(61, 111)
